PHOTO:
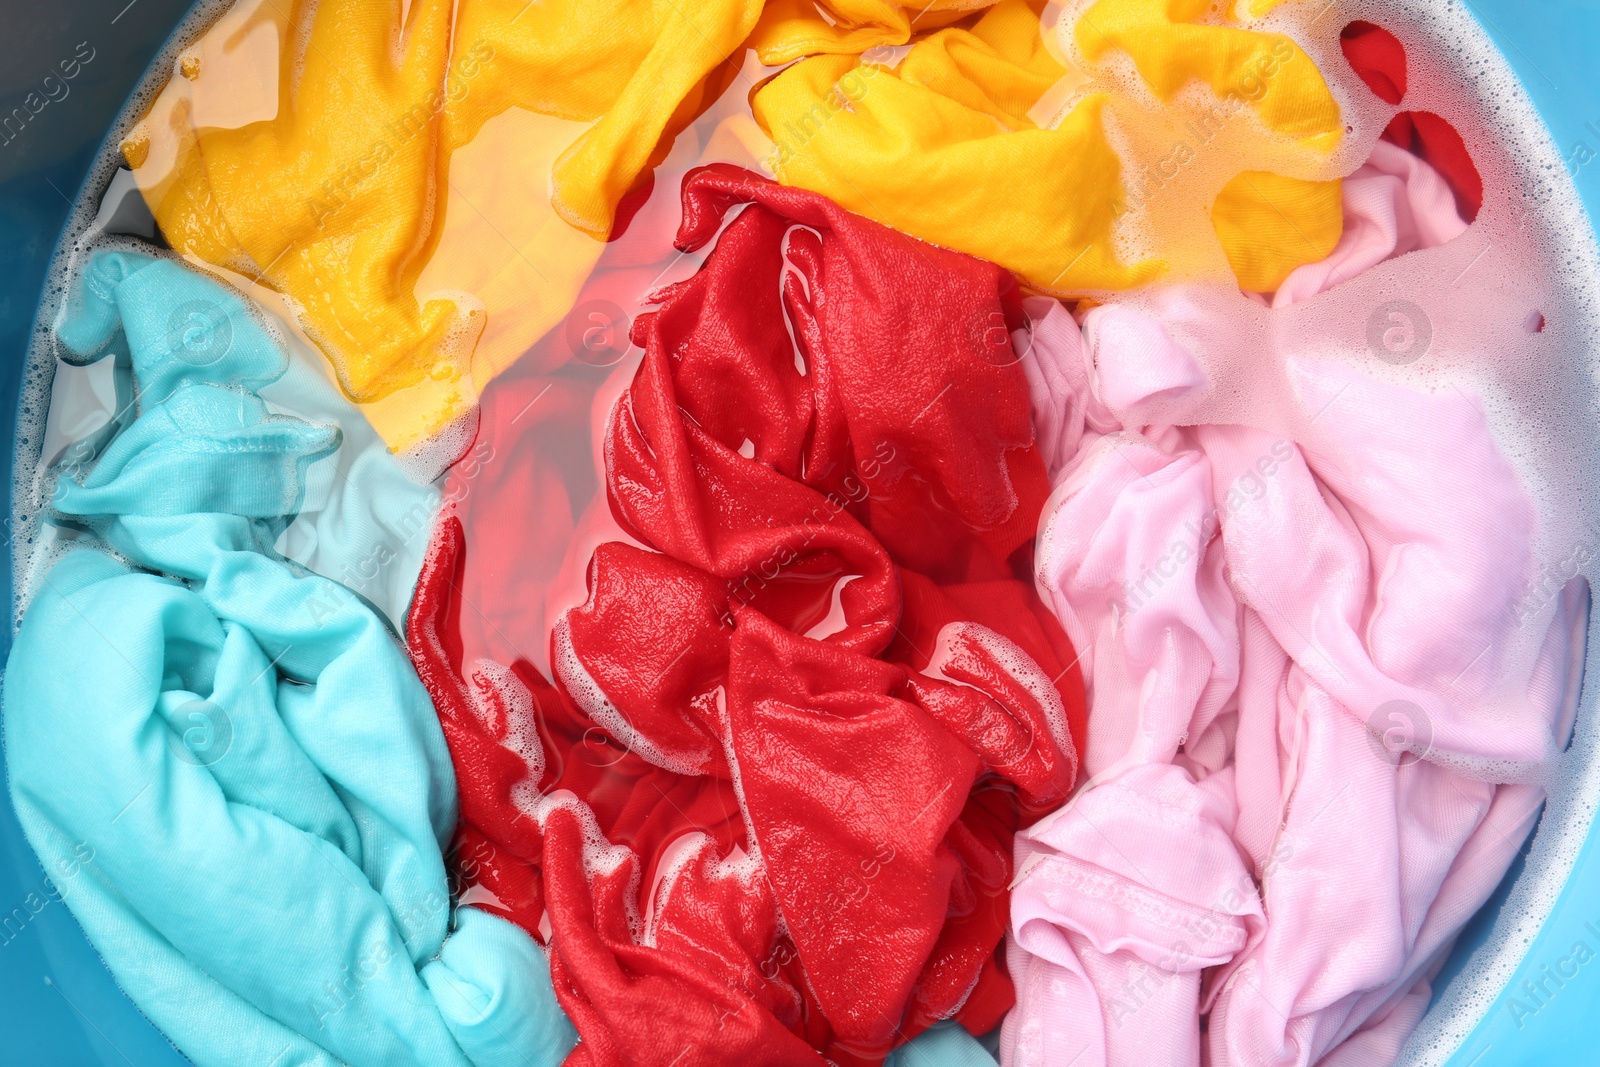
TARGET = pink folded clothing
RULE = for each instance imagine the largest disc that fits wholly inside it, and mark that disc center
(1124, 901)
(1315, 682)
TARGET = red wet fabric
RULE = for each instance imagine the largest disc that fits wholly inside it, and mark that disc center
(1379, 59)
(794, 726)
(1430, 136)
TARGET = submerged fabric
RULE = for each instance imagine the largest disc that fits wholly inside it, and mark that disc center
(1393, 204)
(775, 787)
(336, 197)
(767, 808)
(969, 142)
(1378, 57)
(252, 801)
(1309, 662)
(1270, 225)
(362, 520)
(1171, 47)
(790, 29)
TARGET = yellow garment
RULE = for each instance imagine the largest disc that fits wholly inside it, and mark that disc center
(1269, 225)
(336, 186)
(790, 29)
(1255, 8)
(1171, 51)
(943, 148)
(961, 145)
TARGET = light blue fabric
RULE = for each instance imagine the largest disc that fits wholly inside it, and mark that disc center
(945, 1045)
(362, 520)
(249, 796)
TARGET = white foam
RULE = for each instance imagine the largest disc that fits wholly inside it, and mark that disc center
(736, 779)
(1013, 660)
(674, 859)
(427, 460)
(600, 856)
(521, 724)
(680, 855)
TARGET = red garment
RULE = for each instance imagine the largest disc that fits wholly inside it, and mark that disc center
(827, 660)
(1424, 134)
(1377, 56)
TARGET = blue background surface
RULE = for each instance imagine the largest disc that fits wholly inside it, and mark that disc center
(58, 1004)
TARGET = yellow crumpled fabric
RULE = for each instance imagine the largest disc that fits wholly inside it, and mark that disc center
(351, 185)
(993, 140)
(790, 29)
(1269, 225)
(1171, 50)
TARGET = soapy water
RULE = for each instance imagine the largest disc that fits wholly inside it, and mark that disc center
(1508, 315)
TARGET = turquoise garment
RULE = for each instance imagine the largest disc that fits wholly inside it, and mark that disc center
(363, 520)
(246, 797)
(945, 1045)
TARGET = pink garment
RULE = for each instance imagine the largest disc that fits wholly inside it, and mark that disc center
(1394, 203)
(1308, 664)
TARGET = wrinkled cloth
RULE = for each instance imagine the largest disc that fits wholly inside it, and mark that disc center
(362, 166)
(252, 801)
(1434, 139)
(1394, 203)
(990, 140)
(767, 808)
(790, 29)
(1271, 225)
(335, 192)
(1378, 57)
(1309, 664)
(361, 519)
(1170, 46)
